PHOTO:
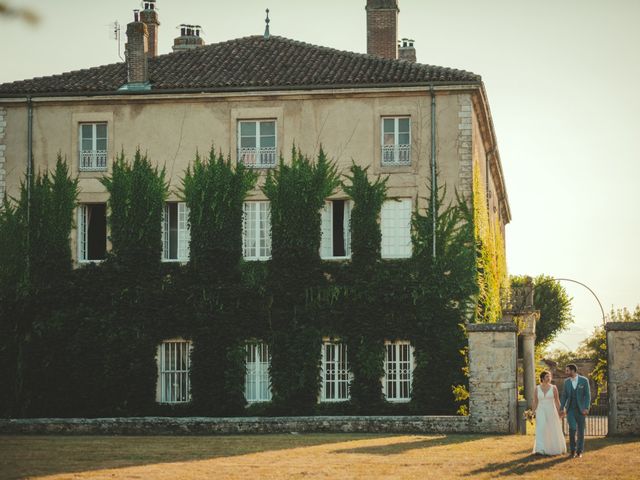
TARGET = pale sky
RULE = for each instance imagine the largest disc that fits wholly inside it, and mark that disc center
(561, 77)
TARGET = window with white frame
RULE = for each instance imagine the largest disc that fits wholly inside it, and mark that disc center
(174, 363)
(257, 143)
(395, 224)
(398, 371)
(92, 232)
(257, 231)
(336, 229)
(336, 378)
(93, 146)
(396, 141)
(257, 386)
(175, 232)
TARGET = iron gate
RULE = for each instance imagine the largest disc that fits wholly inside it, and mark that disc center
(597, 422)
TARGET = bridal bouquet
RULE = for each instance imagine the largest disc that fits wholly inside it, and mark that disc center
(529, 415)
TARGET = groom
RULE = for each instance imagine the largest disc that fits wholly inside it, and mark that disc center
(576, 399)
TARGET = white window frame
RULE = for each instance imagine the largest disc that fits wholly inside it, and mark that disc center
(93, 160)
(257, 382)
(256, 230)
(258, 156)
(326, 229)
(335, 372)
(395, 226)
(396, 154)
(83, 233)
(174, 370)
(397, 382)
(184, 233)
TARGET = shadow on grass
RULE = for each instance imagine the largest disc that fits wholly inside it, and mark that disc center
(399, 448)
(33, 456)
(533, 463)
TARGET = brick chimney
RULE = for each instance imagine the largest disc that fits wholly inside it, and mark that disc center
(406, 50)
(149, 16)
(382, 28)
(189, 38)
(136, 51)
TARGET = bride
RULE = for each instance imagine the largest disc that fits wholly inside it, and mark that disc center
(546, 405)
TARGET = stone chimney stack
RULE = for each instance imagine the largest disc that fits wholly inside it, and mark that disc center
(382, 28)
(407, 51)
(136, 51)
(149, 16)
(189, 38)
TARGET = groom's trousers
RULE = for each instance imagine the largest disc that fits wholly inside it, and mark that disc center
(576, 425)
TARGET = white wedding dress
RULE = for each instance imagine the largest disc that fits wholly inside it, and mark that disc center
(549, 437)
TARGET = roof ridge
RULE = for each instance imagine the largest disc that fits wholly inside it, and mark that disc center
(249, 62)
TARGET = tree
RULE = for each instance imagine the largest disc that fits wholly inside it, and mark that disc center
(554, 304)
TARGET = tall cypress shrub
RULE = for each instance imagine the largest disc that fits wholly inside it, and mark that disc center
(365, 330)
(444, 295)
(35, 263)
(297, 192)
(215, 191)
(137, 193)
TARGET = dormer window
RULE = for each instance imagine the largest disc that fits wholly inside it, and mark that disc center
(93, 147)
(257, 143)
(396, 141)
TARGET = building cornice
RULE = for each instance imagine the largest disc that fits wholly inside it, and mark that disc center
(487, 130)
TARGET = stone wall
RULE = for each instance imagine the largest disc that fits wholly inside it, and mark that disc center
(248, 425)
(3, 126)
(623, 350)
(493, 401)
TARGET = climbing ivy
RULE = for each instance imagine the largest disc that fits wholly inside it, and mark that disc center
(297, 192)
(492, 278)
(215, 191)
(137, 191)
(100, 342)
(35, 265)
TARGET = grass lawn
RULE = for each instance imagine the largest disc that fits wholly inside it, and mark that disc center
(333, 456)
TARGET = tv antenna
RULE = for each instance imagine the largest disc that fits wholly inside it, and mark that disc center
(115, 35)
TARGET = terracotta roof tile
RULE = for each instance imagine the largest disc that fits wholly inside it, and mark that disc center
(253, 63)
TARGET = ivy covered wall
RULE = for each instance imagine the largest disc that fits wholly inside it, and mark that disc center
(83, 342)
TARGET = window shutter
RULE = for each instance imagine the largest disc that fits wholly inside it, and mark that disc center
(265, 230)
(165, 232)
(347, 227)
(82, 232)
(395, 223)
(326, 240)
(184, 232)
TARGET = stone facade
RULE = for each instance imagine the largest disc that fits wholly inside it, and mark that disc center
(623, 350)
(3, 173)
(493, 400)
(249, 425)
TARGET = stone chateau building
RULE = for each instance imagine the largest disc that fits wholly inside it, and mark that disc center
(254, 97)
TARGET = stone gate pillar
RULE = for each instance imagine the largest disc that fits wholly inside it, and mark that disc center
(493, 388)
(623, 352)
(528, 335)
